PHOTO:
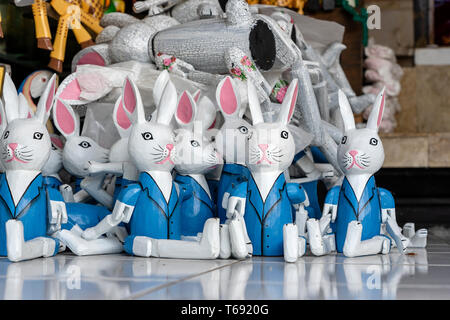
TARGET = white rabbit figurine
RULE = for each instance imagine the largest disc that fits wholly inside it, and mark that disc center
(265, 200)
(358, 208)
(195, 155)
(152, 208)
(78, 150)
(28, 210)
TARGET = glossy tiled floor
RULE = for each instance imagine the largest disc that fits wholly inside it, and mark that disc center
(421, 274)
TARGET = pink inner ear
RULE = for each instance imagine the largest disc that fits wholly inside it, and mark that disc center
(197, 96)
(213, 124)
(64, 118)
(72, 91)
(29, 115)
(122, 118)
(293, 101)
(92, 58)
(228, 100)
(129, 97)
(380, 111)
(57, 142)
(49, 101)
(184, 110)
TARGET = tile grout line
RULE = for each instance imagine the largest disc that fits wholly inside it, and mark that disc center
(145, 292)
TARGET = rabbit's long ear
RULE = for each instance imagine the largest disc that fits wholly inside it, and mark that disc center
(376, 115)
(186, 111)
(25, 110)
(158, 88)
(167, 105)
(46, 101)
(253, 104)
(346, 111)
(289, 101)
(65, 119)
(10, 99)
(196, 95)
(57, 141)
(132, 102)
(121, 119)
(228, 98)
(69, 90)
(206, 113)
(3, 122)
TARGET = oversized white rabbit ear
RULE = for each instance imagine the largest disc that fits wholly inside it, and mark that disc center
(46, 101)
(289, 101)
(228, 98)
(168, 104)
(186, 110)
(69, 90)
(346, 111)
(10, 98)
(121, 119)
(196, 95)
(206, 113)
(132, 102)
(65, 119)
(253, 104)
(58, 141)
(3, 122)
(158, 88)
(376, 115)
(25, 110)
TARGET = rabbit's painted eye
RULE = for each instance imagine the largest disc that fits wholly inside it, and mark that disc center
(284, 134)
(6, 135)
(147, 136)
(37, 136)
(84, 144)
(373, 141)
(243, 129)
(344, 140)
(195, 143)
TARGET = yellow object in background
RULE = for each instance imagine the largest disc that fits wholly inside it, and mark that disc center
(2, 78)
(1, 30)
(59, 45)
(292, 4)
(42, 28)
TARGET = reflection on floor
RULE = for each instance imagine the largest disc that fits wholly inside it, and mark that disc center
(420, 274)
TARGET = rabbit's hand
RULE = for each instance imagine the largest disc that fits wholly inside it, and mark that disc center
(236, 207)
(330, 209)
(57, 215)
(206, 10)
(94, 167)
(141, 6)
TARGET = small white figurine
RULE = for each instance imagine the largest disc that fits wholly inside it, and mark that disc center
(358, 208)
(29, 210)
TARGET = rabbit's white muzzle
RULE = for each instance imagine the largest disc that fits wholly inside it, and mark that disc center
(17, 152)
(355, 158)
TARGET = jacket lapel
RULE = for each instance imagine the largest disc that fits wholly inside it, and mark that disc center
(274, 195)
(173, 200)
(255, 199)
(5, 194)
(350, 197)
(153, 192)
(33, 190)
(367, 197)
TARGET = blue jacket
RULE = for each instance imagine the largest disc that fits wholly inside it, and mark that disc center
(265, 219)
(367, 210)
(197, 206)
(52, 182)
(152, 216)
(232, 175)
(32, 209)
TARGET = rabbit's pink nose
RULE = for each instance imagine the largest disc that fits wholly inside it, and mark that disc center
(169, 146)
(13, 146)
(353, 153)
(263, 147)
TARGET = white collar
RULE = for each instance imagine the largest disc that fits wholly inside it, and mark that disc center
(19, 181)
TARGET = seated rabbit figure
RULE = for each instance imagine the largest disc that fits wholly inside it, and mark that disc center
(265, 200)
(357, 209)
(195, 155)
(152, 207)
(29, 211)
